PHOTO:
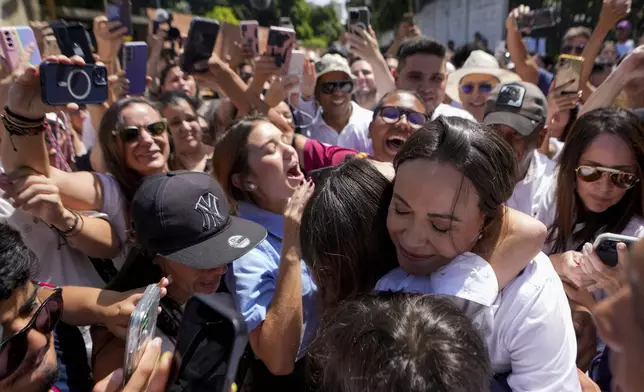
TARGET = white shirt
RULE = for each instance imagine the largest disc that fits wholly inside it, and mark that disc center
(65, 265)
(89, 136)
(538, 181)
(355, 134)
(451, 111)
(527, 327)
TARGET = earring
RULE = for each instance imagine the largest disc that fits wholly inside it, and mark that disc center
(480, 236)
(252, 187)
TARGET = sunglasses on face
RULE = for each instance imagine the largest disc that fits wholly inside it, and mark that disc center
(14, 350)
(132, 133)
(393, 114)
(572, 49)
(619, 178)
(484, 88)
(345, 86)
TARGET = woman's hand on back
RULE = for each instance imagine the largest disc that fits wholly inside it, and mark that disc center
(295, 209)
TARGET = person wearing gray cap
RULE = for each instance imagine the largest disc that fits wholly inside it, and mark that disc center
(336, 119)
(518, 112)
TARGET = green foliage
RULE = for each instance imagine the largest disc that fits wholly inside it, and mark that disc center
(315, 43)
(223, 14)
(385, 14)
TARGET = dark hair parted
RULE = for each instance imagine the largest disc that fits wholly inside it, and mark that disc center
(18, 264)
(419, 45)
(398, 91)
(231, 157)
(400, 342)
(343, 236)
(476, 151)
(174, 98)
(570, 210)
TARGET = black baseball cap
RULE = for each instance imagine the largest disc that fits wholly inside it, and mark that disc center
(185, 216)
(519, 105)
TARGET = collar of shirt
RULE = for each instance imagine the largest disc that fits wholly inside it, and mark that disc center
(272, 222)
(326, 134)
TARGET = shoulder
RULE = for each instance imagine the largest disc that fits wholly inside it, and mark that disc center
(263, 256)
(363, 116)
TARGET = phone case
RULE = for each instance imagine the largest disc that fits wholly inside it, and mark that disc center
(296, 67)
(73, 40)
(15, 42)
(120, 10)
(200, 43)
(359, 16)
(606, 247)
(206, 316)
(61, 84)
(569, 68)
(135, 60)
(281, 41)
(249, 35)
(142, 329)
(537, 19)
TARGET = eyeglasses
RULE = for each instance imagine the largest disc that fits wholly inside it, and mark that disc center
(14, 349)
(619, 178)
(484, 88)
(345, 86)
(393, 114)
(573, 49)
(132, 133)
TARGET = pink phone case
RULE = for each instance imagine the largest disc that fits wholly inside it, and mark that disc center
(281, 40)
(249, 35)
(15, 41)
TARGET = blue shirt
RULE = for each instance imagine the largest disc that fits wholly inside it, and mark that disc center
(252, 280)
(545, 79)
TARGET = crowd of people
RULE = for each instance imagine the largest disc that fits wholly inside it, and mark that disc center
(416, 220)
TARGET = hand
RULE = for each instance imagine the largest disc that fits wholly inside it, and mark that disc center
(279, 88)
(36, 195)
(121, 305)
(587, 385)
(363, 43)
(309, 79)
(407, 30)
(151, 375)
(632, 67)
(295, 208)
(614, 10)
(511, 21)
(579, 295)
(265, 67)
(239, 54)
(568, 268)
(109, 37)
(604, 277)
(559, 102)
(119, 85)
(584, 325)
(212, 68)
(41, 30)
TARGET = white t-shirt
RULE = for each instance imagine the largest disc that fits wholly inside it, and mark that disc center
(59, 263)
(89, 134)
(527, 327)
(451, 111)
(535, 185)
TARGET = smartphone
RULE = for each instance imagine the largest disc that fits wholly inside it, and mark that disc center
(296, 67)
(141, 330)
(135, 60)
(61, 84)
(73, 40)
(281, 41)
(200, 43)
(212, 340)
(121, 10)
(568, 69)
(408, 18)
(359, 16)
(14, 43)
(249, 35)
(537, 19)
(606, 247)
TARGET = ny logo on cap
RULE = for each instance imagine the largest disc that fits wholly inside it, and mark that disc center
(208, 207)
(511, 95)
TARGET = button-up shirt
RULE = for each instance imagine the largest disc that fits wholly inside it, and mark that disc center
(252, 279)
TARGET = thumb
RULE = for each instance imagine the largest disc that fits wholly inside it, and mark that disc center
(111, 383)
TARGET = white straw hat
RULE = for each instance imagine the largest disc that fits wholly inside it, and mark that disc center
(479, 62)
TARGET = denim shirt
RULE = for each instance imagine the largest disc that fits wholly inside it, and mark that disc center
(252, 279)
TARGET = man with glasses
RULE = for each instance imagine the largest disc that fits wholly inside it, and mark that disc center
(337, 120)
(518, 112)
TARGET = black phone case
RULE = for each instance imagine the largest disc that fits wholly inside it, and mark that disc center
(73, 40)
(200, 43)
(124, 14)
(61, 84)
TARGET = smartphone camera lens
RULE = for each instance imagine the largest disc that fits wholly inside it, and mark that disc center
(99, 76)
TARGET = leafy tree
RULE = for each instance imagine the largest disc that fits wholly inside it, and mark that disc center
(223, 14)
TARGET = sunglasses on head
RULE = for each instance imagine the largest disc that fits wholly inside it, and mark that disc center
(132, 133)
(345, 86)
(14, 350)
(619, 178)
(573, 49)
(484, 88)
(393, 114)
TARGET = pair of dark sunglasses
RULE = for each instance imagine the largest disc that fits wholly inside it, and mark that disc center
(14, 350)
(393, 114)
(619, 178)
(345, 86)
(573, 49)
(132, 133)
(484, 88)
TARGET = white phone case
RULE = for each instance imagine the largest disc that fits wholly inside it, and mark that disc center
(296, 67)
